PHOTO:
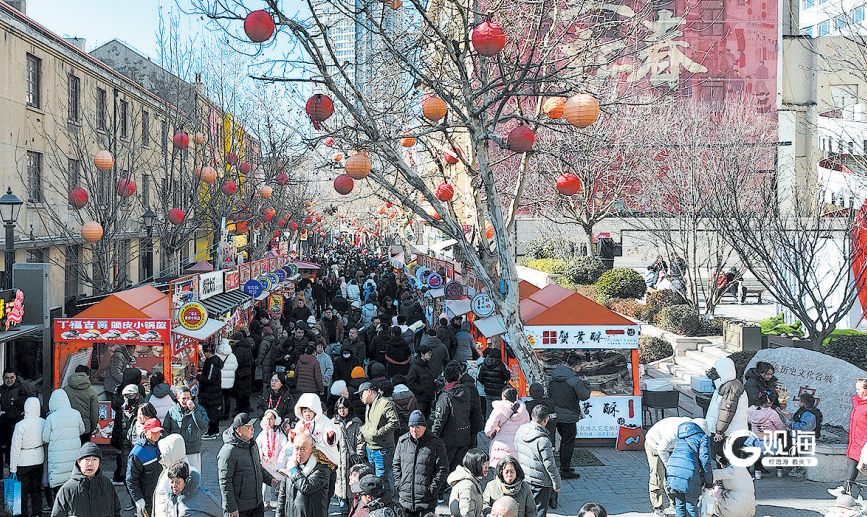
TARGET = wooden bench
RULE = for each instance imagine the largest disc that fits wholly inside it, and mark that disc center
(752, 289)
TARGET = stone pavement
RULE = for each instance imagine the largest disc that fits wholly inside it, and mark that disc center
(620, 486)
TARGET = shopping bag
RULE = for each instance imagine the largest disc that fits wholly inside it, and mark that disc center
(630, 438)
(12, 495)
(707, 503)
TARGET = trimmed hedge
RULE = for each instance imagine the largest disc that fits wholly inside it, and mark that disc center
(664, 298)
(560, 248)
(547, 265)
(535, 249)
(652, 349)
(620, 283)
(680, 319)
(584, 270)
(852, 349)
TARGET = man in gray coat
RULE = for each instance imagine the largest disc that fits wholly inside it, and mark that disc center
(304, 489)
(240, 470)
(536, 456)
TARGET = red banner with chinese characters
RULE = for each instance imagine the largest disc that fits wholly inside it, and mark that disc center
(112, 330)
(231, 280)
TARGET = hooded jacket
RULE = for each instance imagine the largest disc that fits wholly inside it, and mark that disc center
(308, 375)
(493, 375)
(520, 491)
(754, 384)
(567, 390)
(210, 382)
(477, 412)
(397, 357)
(464, 350)
(326, 366)
(230, 365)
(439, 355)
(420, 379)
(466, 496)
(84, 496)
(305, 492)
(241, 473)
(663, 435)
(162, 399)
(172, 450)
(117, 366)
(420, 468)
(83, 398)
(727, 411)
(380, 423)
(507, 421)
(536, 455)
(265, 355)
(191, 424)
(194, 500)
(62, 431)
(343, 366)
(332, 330)
(857, 428)
(688, 469)
(537, 391)
(326, 435)
(738, 496)
(452, 415)
(244, 354)
(143, 471)
(446, 335)
(26, 449)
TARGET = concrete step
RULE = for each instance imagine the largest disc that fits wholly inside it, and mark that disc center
(687, 404)
(715, 350)
(696, 367)
(706, 359)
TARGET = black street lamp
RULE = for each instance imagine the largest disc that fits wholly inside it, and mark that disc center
(149, 218)
(10, 207)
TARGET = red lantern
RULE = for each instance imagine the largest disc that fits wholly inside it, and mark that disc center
(387, 204)
(444, 192)
(308, 220)
(322, 234)
(568, 184)
(78, 197)
(276, 233)
(293, 226)
(176, 216)
(520, 139)
(259, 26)
(125, 188)
(319, 108)
(318, 219)
(329, 141)
(232, 159)
(450, 155)
(489, 230)
(281, 222)
(267, 216)
(229, 188)
(488, 39)
(245, 168)
(181, 140)
(282, 179)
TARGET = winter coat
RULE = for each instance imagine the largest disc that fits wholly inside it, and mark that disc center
(332, 331)
(143, 471)
(567, 390)
(662, 436)
(162, 399)
(191, 424)
(857, 427)
(466, 496)
(464, 350)
(244, 354)
(172, 450)
(326, 435)
(26, 448)
(353, 293)
(688, 468)
(342, 366)
(125, 410)
(379, 347)
(446, 335)
(522, 493)
(754, 384)
(452, 415)
(271, 443)
(397, 357)
(265, 355)
(326, 367)
(305, 492)
(281, 401)
(439, 356)
(308, 375)
(738, 496)
(477, 412)
(727, 411)
(536, 455)
(493, 375)
(210, 382)
(405, 403)
(420, 380)
(353, 447)
(83, 398)
(420, 468)
(241, 473)
(537, 391)
(508, 422)
(62, 431)
(301, 313)
(117, 366)
(230, 366)
(84, 496)
(380, 423)
(764, 418)
(194, 500)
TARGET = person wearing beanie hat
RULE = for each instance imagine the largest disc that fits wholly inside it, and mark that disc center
(420, 467)
(405, 402)
(88, 493)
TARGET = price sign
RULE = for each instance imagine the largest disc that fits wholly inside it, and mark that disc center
(454, 291)
(482, 305)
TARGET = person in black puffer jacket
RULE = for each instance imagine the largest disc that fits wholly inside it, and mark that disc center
(420, 467)
(398, 354)
(493, 375)
(761, 380)
(88, 493)
(567, 390)
(420, 379)
(243, 350)
(210, 389)
(452, 416)
(240, 470)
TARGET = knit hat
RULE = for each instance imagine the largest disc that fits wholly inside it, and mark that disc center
(267, 331)
(357, 373)
(400, 388)
(130, 389)
(417, 418)
(89, 450)
(311, 320)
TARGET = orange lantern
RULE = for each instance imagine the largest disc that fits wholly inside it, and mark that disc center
(581, 110)
(433, 213)
(103, 161)
(338, 157)
(434, 108)
(489, 230)
(381, 209)
(199, 138)
(91, 231)
(208, 175)
(407, 141)
(358, 166)
(266, 191)
(308, 204)
(554, 107)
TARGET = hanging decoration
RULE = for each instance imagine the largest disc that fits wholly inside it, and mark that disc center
(554, 107)
(267, 216)
(358, 166)
(293, 226)
(232, 159)
(125, 188)
(433, 213)
(181, 140)
(329, 142)
(407, 141)
(91, 231)
(450, 155)
(338, 157)
(229, 188)
(78, 197)
(434, 108)
(199, 138)
(281, 222)
(245, 168)
(319, 108)
(568, 184)
(259, 26)
(208, 175)
(488, 39)
(520, 139)
(489, 230)
(581, 110)
(176, 216)
(103, 160)
(444, 192)
(266, 191)
(282, 179)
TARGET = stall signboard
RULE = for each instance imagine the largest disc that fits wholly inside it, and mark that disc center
(192, 316)
(454, 291)
(281, 274)
(274, 264)
(482, 305)
(183, 290)
(255, 270)
(210, 284)
(435, 281)
(294, 269)
(603, 416)
(275, 280)
(232, 280)
(266, 265)
(11, 308)
(265, 282)
(107, 330)
(253, 288)
(583, 336)
(275, 304)
(243, 274)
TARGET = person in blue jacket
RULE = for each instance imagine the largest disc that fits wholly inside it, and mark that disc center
(689, 466)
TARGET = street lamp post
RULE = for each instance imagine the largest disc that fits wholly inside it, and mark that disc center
(149, 217)
(10, 206)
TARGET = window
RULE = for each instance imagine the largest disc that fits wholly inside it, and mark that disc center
(808, 32)
(840, 147)
(808, 4)
(824, 28)
(34, 177)
(36, 255)
(74, 96)
(851, 147)
(146, 190)
(839, 22)
(34, 81)
(100, 109)
(164, 132)
(864, 148)
(72, 259)
(858, 14)
(145, 128)
(124, 119)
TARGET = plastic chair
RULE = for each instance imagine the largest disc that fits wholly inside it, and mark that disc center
(659, 401)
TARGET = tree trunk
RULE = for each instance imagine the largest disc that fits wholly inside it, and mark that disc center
(588, 239)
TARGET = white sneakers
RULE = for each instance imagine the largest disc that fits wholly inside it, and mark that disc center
(837, 492)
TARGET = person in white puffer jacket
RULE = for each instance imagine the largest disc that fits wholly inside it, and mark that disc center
(230, 364)
(62, 432)
(27, 456)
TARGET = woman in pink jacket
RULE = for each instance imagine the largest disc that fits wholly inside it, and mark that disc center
(507, 415)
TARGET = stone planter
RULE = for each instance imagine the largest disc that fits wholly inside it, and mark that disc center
(738, 338)
(832, 466)
(779, 341)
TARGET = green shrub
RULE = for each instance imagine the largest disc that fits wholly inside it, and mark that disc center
(680, 319)
(559, 248)
(627, 307)
(565, 281)
(535, 249)
(777, 325)
(553, 266)
(651, 349)
(584, 270)
(648, 314)
(712, 327)
(663, 299)
(619, 282)
(840, 333)
(852, 349)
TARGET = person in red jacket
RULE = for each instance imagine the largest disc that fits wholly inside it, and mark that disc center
(857, 436)
(308, 374)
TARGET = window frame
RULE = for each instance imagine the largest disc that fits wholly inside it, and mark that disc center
(145, 128)
(101, 102)
(37, 170)
(33, 81)
(73, 98)
(123, 118)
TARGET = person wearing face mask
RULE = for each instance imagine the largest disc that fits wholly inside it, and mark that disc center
(347, 360)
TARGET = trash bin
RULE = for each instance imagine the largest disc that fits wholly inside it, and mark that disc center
(703, 401)
(605, 251)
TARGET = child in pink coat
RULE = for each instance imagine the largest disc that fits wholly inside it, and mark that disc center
(507, 415)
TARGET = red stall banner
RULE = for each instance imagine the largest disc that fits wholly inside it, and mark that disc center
(108, 330)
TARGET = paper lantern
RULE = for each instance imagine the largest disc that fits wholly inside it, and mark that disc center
(488, 39)
(433, 213)
(282, 179)
(444, 192)
(91, 231)
(407, 141)
(181, 140)
(322, 234)
(395, 4)
(388, 204)
(199, 138)
(358, 166)
(489, 230)
(293, 226)
(380, 209)
(241, 227)
(329, 141)
(568, 184)
(267, 216)
(176, 216)
(520, 139)
(319, 108)
(271, 210)
(434, 108)
(450, 155)
(318, 218)
(554, 107)
(259, 26)
(281, 222)
(229, 188)
(308, 204)
(103, 161)
(78, 197)
(125, 188)
(208, 175)
(266, 191)
(232, 159)
(276, 233)
(245, 168)
(338, 157)
(581, 110)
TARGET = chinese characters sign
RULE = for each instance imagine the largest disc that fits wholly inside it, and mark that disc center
(583, 336)
(210, 284)
(119, 330)
(603, 416)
